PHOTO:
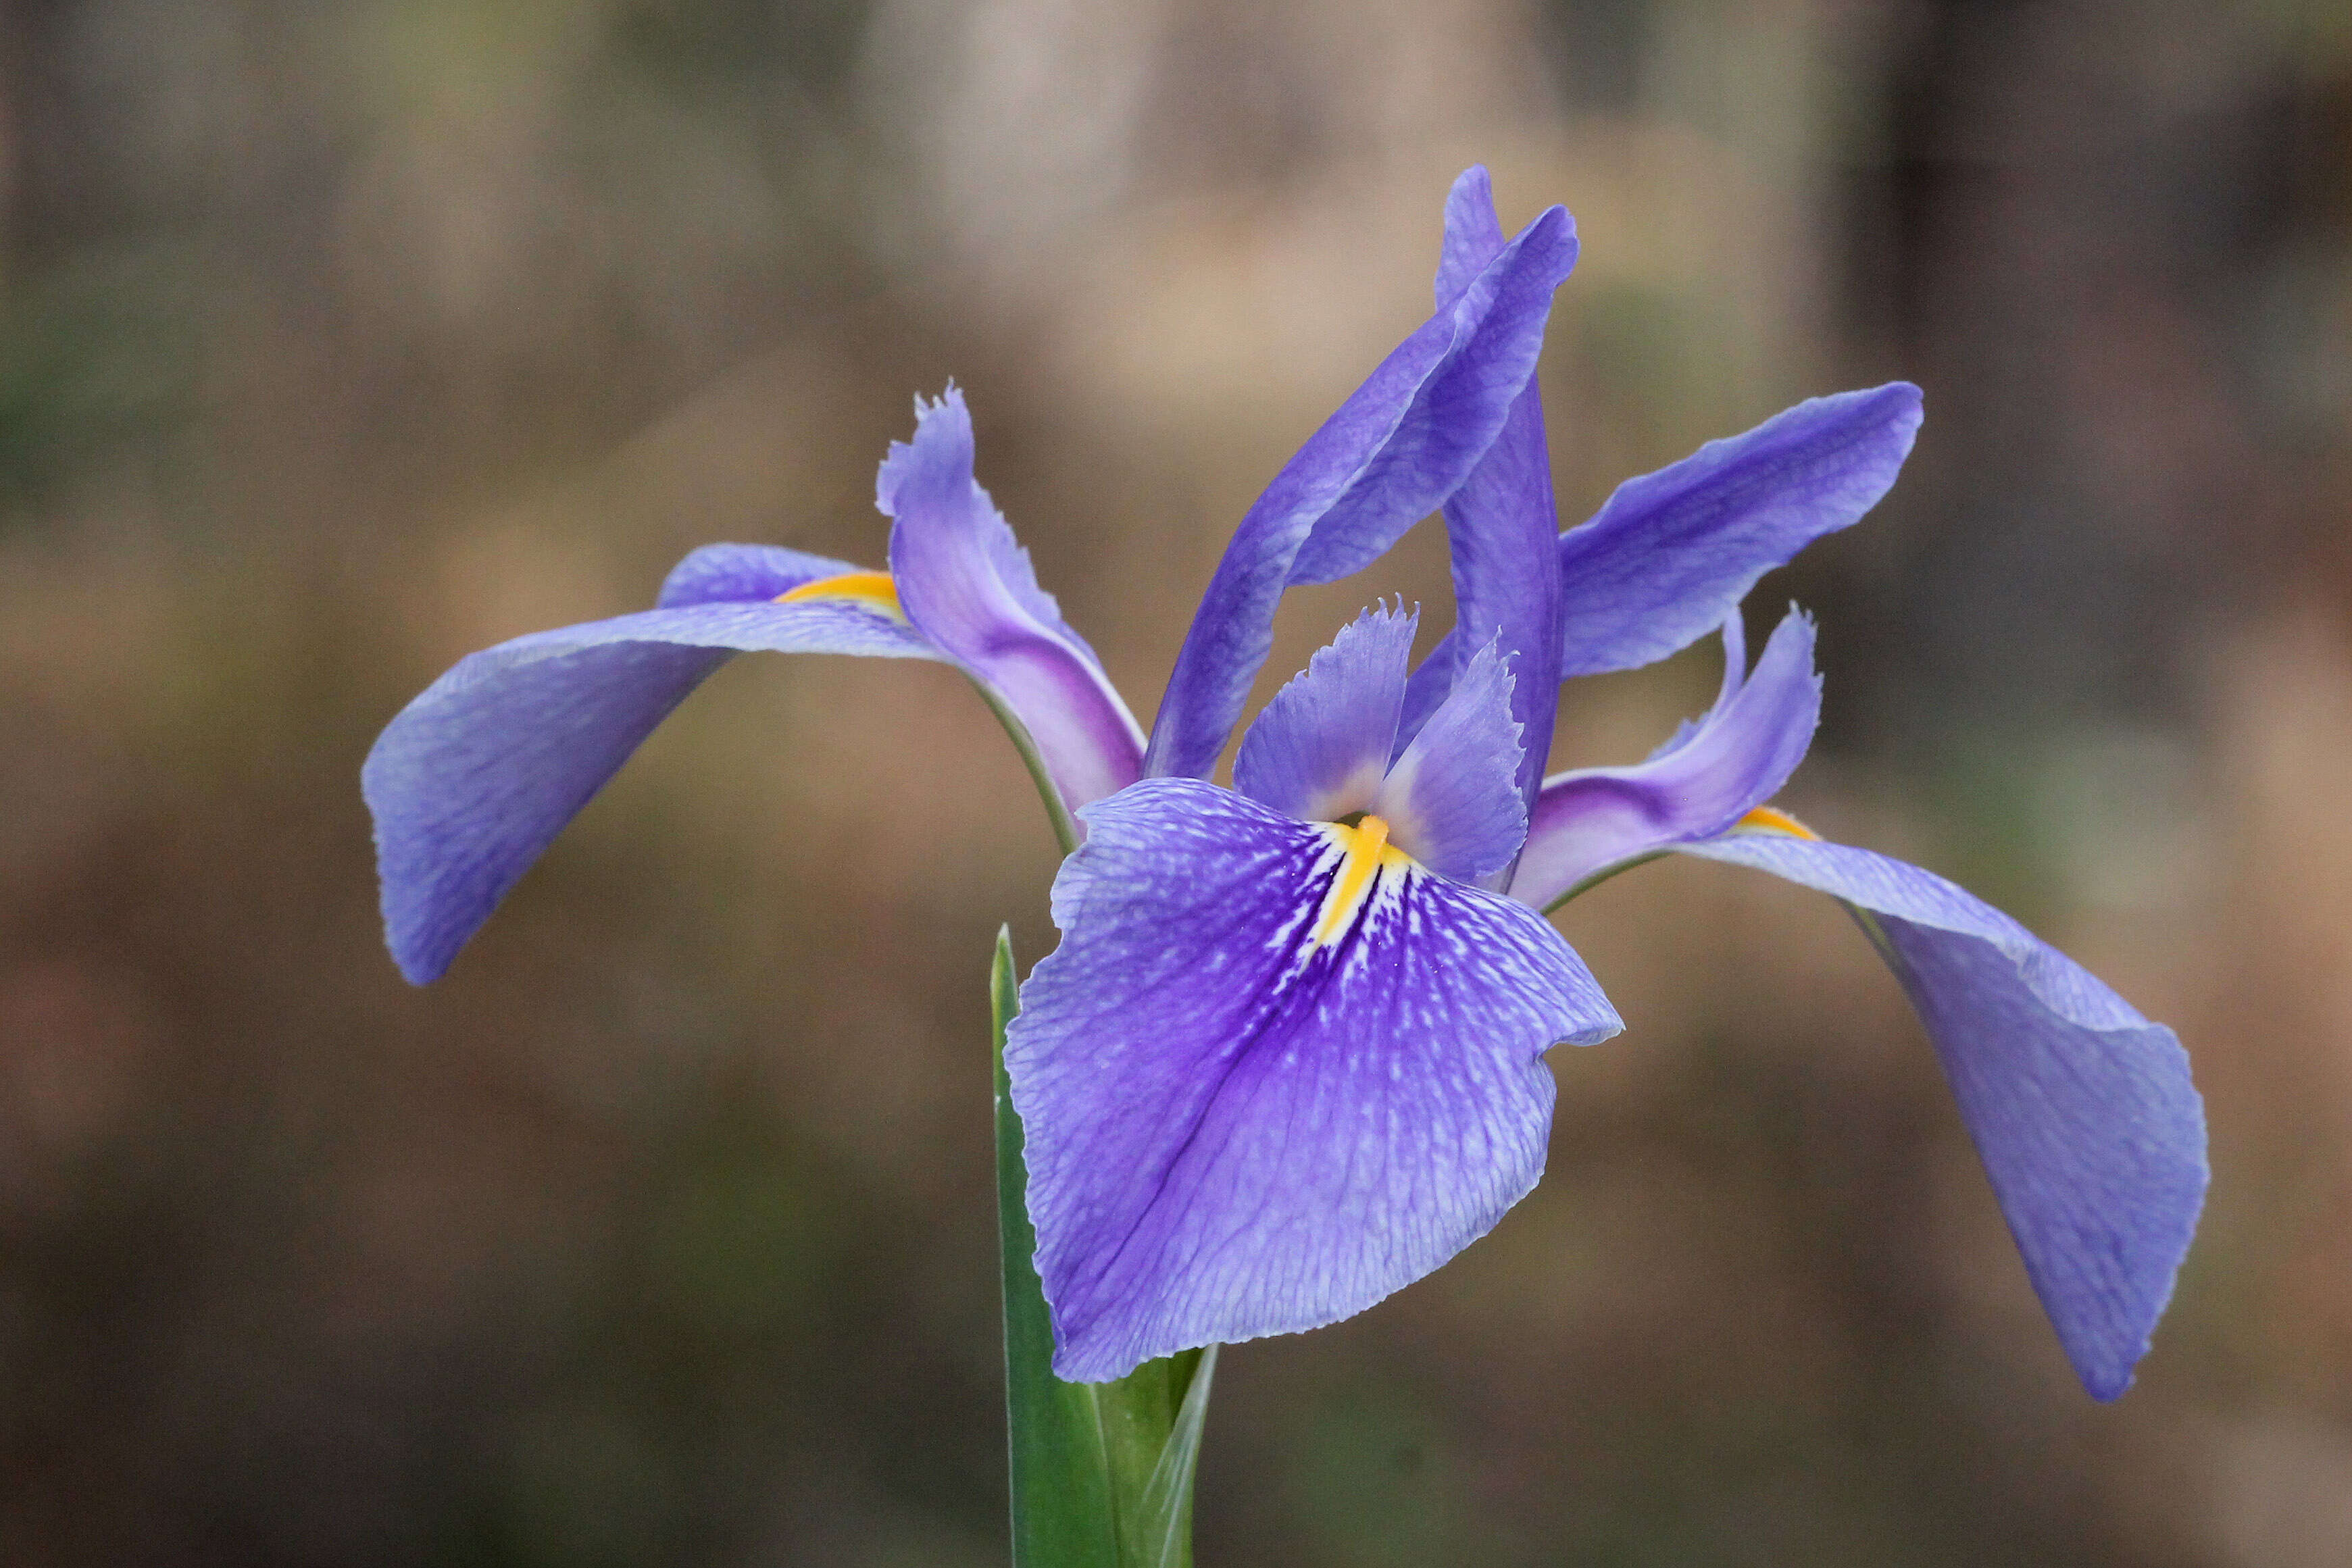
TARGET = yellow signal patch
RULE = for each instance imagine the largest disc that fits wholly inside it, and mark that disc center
(1765, 819)
(871, 589)
(1365, 852)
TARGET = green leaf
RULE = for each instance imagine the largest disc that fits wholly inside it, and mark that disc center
(1062, 1514)
(1102, 1472)
(1164, 1530)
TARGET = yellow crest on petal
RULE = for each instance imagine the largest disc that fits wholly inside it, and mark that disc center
(1767, 819)
(871, 589)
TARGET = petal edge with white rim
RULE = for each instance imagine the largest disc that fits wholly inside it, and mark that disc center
(1260, 1096)
(2084, 1112)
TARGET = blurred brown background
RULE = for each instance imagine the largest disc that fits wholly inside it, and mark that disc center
(338, 339)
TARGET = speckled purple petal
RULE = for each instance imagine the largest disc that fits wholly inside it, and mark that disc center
(473, 780)
(1234, 1130)
(1672, 553)
(1452, 800)
(2090, 1128)
(1401, 444)
(1318, 750)
(1501, 529)
(968, 586)
(1695, 786)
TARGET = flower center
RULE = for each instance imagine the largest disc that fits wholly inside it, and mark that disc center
(873, 590)
(1364, 851)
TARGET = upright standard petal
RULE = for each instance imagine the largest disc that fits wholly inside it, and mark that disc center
(1272, 1073)
(1500, 528)
(968, 586)
(1672, 553)
(1702, 781)
(1319, 750)
(1452, 800)
(2084, 1111)
(1396, 449)
(474, 778)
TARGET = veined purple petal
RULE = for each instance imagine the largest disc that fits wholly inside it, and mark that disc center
(744, 574)
(1396, 449)
(1695, 786)
(1501, 529)
(1452, 800)
(968, 586)
(1318, 750)
(1236, 1129)
(1672, 553)
(2084, 1111)
(470, 782)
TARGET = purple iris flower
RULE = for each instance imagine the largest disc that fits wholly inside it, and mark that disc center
(1288, 1056)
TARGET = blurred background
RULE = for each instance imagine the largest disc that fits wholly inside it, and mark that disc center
(337, 340)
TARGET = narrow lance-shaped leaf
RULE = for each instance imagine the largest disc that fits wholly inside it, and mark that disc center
(1101, 1472)
(1165, 1521)
(1061, 1492)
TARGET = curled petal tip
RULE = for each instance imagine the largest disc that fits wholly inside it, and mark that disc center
(940, 454)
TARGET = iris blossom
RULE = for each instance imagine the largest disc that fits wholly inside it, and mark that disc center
(1288, 1056)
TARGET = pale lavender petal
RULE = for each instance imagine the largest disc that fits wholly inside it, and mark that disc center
(2084, 1111)
(1695, 786)
(1236, 1130)
(1500, 528)
(1452, 800)
(1673, 552)
(1318, 750)
(470, 782)
(1396, 449)
(968, 586)
(743, 574)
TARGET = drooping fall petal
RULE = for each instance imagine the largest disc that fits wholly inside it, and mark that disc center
(2084, 1112)
(474, 778)
(1262, 1093)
